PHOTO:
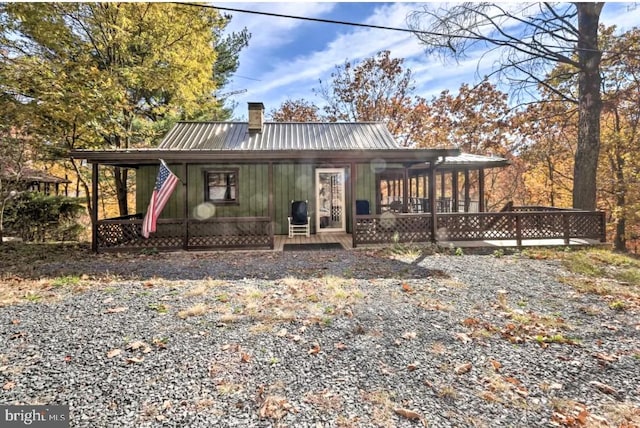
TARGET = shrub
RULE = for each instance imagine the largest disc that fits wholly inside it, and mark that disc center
(37, 217)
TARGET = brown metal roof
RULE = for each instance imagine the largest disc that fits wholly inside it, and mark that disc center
(279, 136)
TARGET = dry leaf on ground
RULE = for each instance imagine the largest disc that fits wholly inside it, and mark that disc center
(134, 360)
(409, 414)
(115, 310)
(409, 335)
(9, 385)
(314, 349)
(114, 352)
(463, 368)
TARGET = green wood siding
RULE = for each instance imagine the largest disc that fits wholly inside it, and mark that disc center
(290, 182)
(253, 191)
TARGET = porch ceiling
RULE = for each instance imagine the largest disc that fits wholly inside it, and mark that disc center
(133, 158)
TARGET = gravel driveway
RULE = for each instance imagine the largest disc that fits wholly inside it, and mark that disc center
(322, 339)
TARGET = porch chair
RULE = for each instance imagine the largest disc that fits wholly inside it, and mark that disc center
(299, 221)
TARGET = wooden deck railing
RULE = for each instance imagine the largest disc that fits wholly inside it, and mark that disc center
(515, 225)
(172, 234)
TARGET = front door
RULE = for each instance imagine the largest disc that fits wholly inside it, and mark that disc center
(330, 201)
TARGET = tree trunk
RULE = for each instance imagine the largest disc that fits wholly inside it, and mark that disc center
(121, 175)
(589, 105)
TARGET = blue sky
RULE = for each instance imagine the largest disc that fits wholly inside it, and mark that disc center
(286, 57)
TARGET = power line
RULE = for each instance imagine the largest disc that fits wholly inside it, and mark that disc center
(379, 27)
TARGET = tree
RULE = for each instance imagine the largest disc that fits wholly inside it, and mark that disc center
(114, 75)
(377, 89)
(532, 38)
(295, 111)
(619, 177)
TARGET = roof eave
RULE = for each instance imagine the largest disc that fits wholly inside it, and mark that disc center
(151, 156)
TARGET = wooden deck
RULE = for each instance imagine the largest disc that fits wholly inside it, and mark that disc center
(319, 238)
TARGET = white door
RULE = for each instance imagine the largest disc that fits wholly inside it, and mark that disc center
(330, 212)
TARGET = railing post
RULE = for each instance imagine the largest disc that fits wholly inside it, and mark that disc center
(565, 227)
(518, 230)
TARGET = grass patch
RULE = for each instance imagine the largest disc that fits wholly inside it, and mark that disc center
(599, 271)
(66, 281)
(194, 311)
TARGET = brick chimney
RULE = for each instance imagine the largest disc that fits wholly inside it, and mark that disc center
(256, 117)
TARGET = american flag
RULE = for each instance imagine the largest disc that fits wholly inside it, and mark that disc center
(165, 183)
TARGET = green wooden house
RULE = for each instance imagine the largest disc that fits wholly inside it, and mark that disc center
(238, 180)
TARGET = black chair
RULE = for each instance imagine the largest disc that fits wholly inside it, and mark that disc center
(362, 207)
(299, 221)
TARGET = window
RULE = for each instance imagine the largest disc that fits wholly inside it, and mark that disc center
(221, 186)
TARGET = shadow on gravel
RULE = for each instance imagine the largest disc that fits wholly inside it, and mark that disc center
(56, 261)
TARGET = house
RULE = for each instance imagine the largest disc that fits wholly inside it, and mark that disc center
(238, 180)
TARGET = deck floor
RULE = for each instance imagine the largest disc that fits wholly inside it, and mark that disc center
(347, 243)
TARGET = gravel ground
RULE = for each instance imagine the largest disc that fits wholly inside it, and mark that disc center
(322, 339)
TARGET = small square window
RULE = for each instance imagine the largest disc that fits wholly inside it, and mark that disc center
(221, 187)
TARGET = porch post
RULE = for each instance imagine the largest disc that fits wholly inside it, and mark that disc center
(270, 206)
(94, 207)
(454, 195)
(432, 201)
(467, 202)
(405, 190)
(185, 211)
(352, 179)
(481, 206)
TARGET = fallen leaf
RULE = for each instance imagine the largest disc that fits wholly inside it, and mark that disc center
(138, 344)
(462, 337)
(115, 310)
(225, 347)
(108, 300)
(114, 352)
(603, 387)
(496, 365)
(409, 335)
(282, 333)
(275, 407)
(413, 366)
(67, 358)
(244, 357)
(296, 338)
(148, 284)
(606, 357)
(463, 368)
(132, 360)
(314, 349)
(407, 288)
(340, 346)
(9, 385)
(409, 414)
(15, 321)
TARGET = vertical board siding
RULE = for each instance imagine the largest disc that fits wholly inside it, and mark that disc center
(290, 182)
(252, 192)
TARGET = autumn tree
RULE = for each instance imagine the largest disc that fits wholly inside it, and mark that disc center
(113, 75)
(619, 175)
(378, 89)
(295, 111)
(530, 39)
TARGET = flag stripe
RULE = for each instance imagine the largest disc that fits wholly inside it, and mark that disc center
(166, 182)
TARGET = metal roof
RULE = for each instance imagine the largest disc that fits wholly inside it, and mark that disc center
(470, 159)
(279, 136)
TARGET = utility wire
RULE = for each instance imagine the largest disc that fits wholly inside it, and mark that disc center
(379, 27)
